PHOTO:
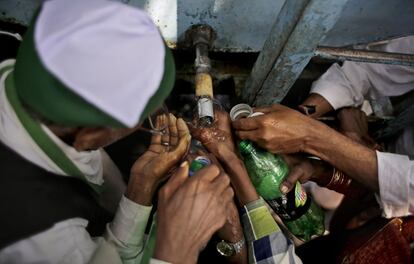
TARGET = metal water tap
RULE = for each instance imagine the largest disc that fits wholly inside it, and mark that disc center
(201, 38)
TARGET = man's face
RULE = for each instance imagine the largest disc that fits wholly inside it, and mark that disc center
(92, 138)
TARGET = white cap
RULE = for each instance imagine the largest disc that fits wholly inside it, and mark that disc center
(109, 53)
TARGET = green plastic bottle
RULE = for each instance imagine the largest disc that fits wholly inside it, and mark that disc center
(299, 213)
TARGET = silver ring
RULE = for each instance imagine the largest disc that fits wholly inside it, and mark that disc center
(165, 144)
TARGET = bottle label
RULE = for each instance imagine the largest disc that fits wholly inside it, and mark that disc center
(292, 206)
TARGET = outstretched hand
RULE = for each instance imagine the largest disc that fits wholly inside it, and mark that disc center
(217, 138)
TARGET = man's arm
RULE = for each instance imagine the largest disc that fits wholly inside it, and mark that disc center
(352, 158)
(265, 241)
(391, 175)
(340, 86)
(283, 130)
(396, 184)
(351, 83)
(126, 232)
(124, 237)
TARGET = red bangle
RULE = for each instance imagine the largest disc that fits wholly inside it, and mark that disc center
(339, 181)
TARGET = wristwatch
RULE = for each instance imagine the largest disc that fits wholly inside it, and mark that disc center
(228, 249)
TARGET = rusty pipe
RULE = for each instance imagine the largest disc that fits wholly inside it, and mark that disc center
(369, 56)
(201, 38)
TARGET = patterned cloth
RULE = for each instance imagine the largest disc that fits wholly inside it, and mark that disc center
(266, 242)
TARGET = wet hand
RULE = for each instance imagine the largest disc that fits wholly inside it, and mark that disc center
(217, 138)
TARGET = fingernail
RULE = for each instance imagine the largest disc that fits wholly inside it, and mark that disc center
(184, 164)
(284, 189)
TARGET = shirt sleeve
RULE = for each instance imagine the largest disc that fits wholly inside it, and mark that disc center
(351, 83)
(266, 242)
(343, 86)
(396, 184)
(124, 238)
(69, 242)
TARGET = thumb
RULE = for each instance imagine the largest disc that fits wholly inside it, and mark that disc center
(176, 180)
(295, 174)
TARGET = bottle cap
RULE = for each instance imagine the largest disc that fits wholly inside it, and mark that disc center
(198, 163)
(240, 111)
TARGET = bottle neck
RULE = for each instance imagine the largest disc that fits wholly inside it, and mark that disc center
(246, 148)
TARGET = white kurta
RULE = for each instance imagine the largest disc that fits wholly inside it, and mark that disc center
(349, 85)
(68, 241)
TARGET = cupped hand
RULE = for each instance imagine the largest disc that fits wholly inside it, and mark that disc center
(279, 130)
(190, 211)
(162, 156)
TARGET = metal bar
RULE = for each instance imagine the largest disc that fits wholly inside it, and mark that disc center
(344, 54)
(285, 23)
(370, 119)
(317, 19)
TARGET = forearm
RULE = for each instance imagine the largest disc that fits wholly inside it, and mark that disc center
(126, 232)
(355, 160)
(232, 232)
(240, 180)
(141, 190)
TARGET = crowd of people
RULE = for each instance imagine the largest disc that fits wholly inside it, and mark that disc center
(89, 73)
